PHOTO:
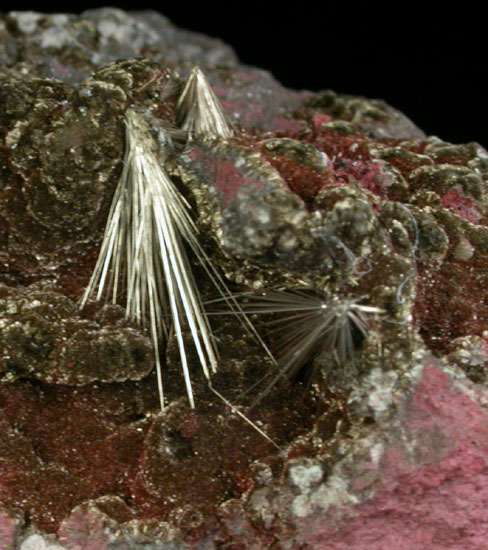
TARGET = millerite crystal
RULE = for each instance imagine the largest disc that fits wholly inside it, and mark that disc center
(305, 272)
(148, 224)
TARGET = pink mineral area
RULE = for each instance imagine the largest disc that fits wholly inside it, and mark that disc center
(319, 120)
(83, 530)
(8, 529)
(227, 178)
(222, 94)
(433, 488)
(350, 157)
(367, 174)
(291, 127)
(462, 206)
(247, 113)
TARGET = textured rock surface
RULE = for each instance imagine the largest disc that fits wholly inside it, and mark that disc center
(341, 196)
(10, 525)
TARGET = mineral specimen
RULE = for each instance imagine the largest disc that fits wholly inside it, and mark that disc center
(334, 198)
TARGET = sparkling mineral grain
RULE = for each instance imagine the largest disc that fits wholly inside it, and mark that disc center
(362, 431)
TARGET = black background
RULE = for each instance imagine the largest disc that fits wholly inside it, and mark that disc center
(428, 62)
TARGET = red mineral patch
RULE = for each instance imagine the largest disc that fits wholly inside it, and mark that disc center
(463, 206)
